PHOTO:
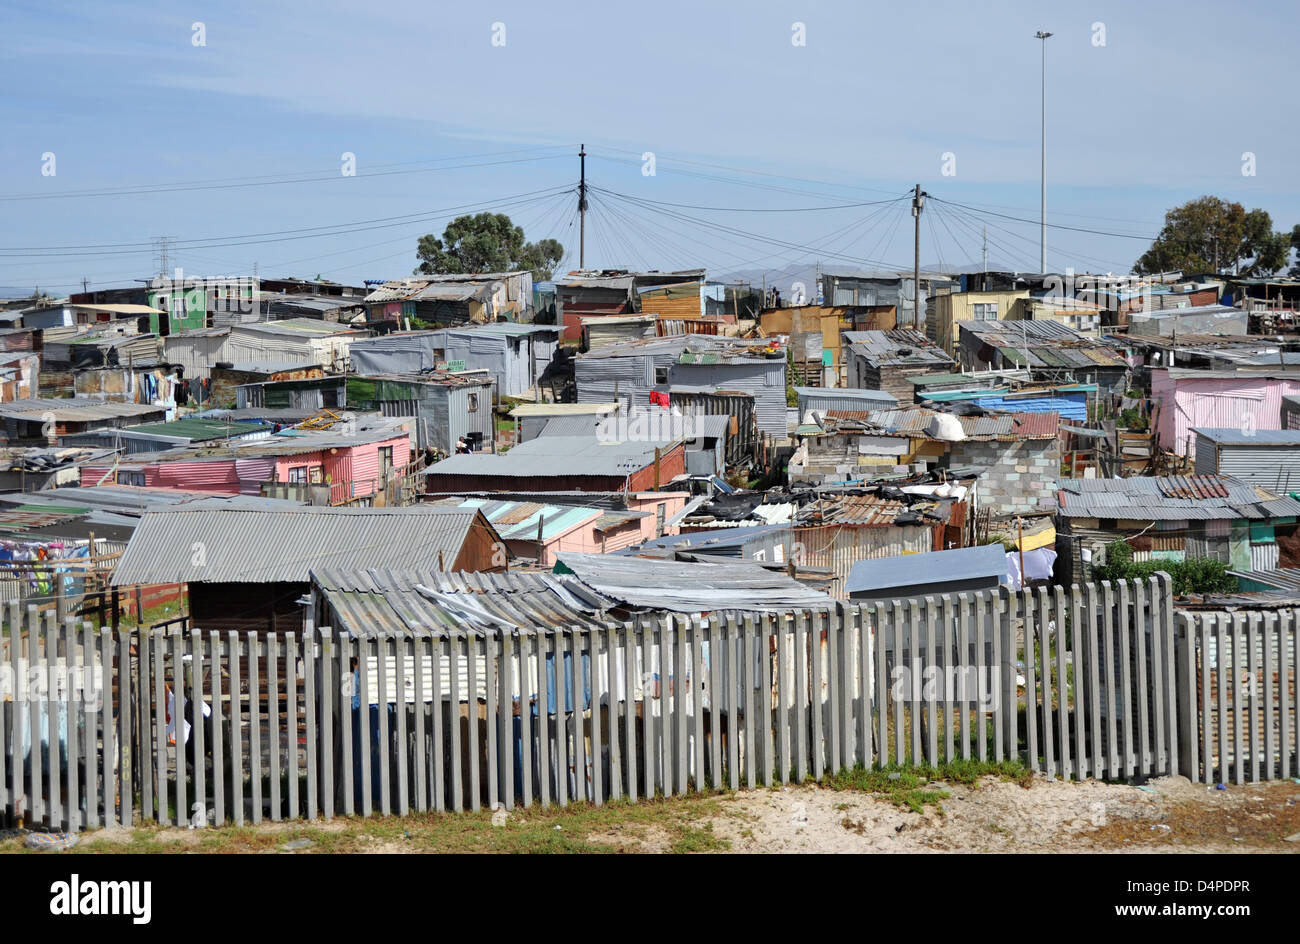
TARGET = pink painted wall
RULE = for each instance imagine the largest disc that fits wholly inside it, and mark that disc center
(352, 470)
(1191, 402)
(585, 539)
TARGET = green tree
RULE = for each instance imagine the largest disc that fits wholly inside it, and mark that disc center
(486, 242)
(1295, 244)
(1209, 234)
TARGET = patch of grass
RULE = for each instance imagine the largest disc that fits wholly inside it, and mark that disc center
(678, 825)
(914, 788)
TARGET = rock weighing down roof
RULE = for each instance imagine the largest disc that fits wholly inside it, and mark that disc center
(688, 587)
(1170, 498)
(203, 544)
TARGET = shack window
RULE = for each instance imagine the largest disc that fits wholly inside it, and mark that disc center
(473, 402)
(660, 513)
(986, 311)
(661, 375)
(316, 475)
(297, 473)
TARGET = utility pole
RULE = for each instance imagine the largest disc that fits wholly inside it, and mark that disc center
(582, 206)
(986, 259)
(918, 202)
(1042, 238)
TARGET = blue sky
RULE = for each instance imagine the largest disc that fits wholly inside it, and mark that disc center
(737, 116)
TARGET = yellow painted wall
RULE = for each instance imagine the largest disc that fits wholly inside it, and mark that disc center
(960, 306)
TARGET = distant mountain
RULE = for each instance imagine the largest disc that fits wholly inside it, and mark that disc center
(784, 278)
(11, 292)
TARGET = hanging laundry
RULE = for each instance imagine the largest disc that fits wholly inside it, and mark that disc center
(185, 725)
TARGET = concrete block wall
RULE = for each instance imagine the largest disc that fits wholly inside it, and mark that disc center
(1021, 476)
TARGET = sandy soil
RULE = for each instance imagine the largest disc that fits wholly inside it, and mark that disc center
(1166, 815)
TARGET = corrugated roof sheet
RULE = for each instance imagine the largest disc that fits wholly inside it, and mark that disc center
(936, 567)
(1171, 498)
(74, 409)
(1232, 436)
(689, 587)
(392, 601)
(555, 455)
(239, 545)
(517, 520)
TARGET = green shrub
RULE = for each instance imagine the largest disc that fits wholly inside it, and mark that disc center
(1194, 575)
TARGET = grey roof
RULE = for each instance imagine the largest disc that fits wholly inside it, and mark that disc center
(1231, 436)
(1222, 311)
(202, 544)
(75, 409)
(896, 347)
(936, 567)
(555, 455)
(877, 398)
(136, 500)
(1171, 498)
(377, 602)
(689, 587)
(1283, 578)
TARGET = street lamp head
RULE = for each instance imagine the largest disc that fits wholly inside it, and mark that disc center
(1041, 35)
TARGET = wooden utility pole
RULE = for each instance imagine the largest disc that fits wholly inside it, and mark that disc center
(582, 206)
(918, 202)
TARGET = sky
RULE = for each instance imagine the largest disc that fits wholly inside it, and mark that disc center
(781, 132)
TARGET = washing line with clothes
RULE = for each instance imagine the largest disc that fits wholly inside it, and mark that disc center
(40, 577)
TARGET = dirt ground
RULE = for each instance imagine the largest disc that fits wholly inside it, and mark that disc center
(988, 814)
(1166, 815)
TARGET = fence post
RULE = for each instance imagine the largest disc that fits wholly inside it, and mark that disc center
(1186, 684)
(218, 735)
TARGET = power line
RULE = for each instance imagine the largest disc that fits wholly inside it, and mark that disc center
(1073, 229)
(311, 232)
(691, 206)
(266, 180)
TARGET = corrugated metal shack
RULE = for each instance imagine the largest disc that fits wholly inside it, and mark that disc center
(562, 463)
(161, 437)
(1200, 319)
(1175, 518)
(42, 420)
(742, 429)
(631, 370)
(302, 341)
(599, 332)
(1049, 350)
(532, 418)
(454, 298)
(444, 406)
(825, 399)
(1268, 458)
(885, 360)
(256, 563)
(514, 354)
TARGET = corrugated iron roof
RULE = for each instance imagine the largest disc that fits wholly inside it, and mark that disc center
(202, 544)
(390, 601)
(935, 567)
(688, 587)
(1171, 498)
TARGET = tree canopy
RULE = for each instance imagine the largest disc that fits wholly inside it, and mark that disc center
(1209, 234)
(486, 242)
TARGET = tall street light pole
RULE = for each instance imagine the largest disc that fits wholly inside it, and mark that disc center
(1042, 237)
